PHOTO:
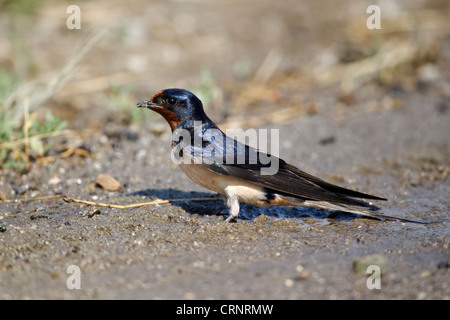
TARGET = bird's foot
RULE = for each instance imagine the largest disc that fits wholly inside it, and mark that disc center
(230, 218)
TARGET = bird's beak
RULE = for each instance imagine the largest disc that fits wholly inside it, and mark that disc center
(147, 104)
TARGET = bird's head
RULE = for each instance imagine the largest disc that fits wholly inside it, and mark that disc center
(176, 106)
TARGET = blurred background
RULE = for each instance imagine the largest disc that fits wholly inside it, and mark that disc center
(252, 63)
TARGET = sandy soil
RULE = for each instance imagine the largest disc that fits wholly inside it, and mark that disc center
(181, 251)
(387, 135)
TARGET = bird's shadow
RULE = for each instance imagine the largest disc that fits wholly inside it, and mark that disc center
(248, 212)
(188, 201)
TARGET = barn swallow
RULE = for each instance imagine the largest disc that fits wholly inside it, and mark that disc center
(243, 181)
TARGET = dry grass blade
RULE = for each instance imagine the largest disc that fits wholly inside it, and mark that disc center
(390, 55)
(276, 116)
(56, 196)
(11, 144)
(39, 93)
(134, 205)
(268, 67)
(26, 128)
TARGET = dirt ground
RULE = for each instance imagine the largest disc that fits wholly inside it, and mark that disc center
(386, 135)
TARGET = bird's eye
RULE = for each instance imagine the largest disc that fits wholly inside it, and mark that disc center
(172, 101)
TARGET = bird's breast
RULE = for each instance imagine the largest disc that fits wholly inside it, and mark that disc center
(226, 185)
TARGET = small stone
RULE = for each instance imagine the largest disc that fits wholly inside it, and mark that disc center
(107, 182)
(38, 216)
(4, 196)
(91, 212)
(425, 274)
(289, 283)
(261, 219)
(189, 295)
(299, 268)
(54, 180)
(422, 295)
(141, 154)
(429, 72)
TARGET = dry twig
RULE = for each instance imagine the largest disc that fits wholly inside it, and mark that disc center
(32, 198)
(135, 205)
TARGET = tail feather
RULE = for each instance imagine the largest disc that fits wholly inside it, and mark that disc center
(371, 213)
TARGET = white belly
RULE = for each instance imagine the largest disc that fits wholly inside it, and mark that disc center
(226, 185)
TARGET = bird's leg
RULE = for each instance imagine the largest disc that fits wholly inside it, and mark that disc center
(233, 204)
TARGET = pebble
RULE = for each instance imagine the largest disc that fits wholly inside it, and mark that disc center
(140, 154)
(54, 180)
(107, 182)
(289, 283)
